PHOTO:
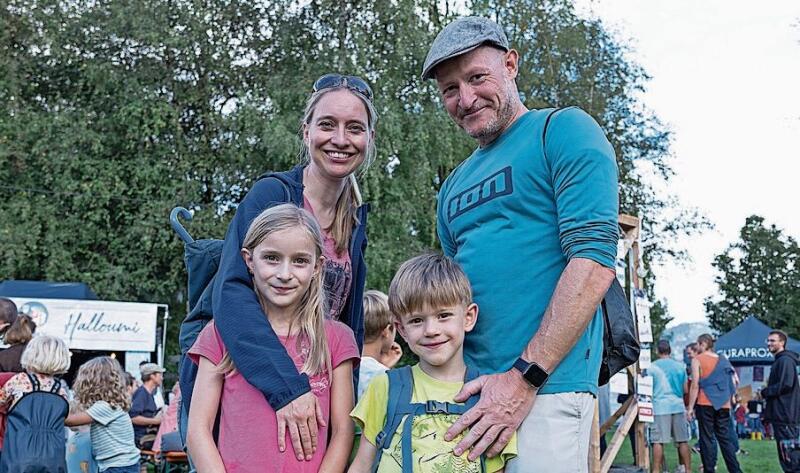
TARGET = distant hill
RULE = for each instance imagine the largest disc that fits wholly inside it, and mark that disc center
(683, 334)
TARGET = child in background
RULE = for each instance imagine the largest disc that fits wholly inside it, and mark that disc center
(34, 439)
(431, 300)
(101, 390)
(740, 415)
(378, 338)
(283, 251)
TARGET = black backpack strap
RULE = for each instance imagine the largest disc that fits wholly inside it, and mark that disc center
(546, 125)
(544, 128)
(56, 385)
(34, 381)
(401, 384)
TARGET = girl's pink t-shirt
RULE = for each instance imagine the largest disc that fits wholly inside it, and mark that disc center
(248, 439)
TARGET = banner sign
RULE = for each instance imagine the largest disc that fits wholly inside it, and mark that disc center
(94, 325)
(748, 353)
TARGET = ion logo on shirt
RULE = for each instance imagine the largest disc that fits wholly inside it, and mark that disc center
(496, 185)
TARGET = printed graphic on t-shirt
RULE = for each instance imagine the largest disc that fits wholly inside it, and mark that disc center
(432, 453)
(336, 280)
(494, 186)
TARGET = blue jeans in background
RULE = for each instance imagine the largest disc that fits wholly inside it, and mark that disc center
(734, 433)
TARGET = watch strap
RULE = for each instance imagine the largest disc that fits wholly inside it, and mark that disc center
(534, 374)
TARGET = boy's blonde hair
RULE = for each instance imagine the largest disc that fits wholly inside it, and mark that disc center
(102, 379)
(376, 315)
(46, 355)
(311, 311)
(432, 279)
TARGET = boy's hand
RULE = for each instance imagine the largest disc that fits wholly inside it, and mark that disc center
(506, 399)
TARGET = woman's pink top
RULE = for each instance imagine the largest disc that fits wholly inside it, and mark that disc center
(248, 439)
(169, 421)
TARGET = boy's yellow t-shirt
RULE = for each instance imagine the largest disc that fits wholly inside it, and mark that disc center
(431, 453)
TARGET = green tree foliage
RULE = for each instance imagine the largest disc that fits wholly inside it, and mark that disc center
(114, 112)
(757, 275)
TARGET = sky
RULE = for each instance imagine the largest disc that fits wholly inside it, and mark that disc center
(726, 80)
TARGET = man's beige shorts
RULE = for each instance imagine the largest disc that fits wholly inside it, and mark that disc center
(554, 438)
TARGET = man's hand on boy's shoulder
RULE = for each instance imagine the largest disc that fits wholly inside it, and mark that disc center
(506, 399)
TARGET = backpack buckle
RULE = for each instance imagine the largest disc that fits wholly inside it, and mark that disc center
(437, 407)
(379, 439)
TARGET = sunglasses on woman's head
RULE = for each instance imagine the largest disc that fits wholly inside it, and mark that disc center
(329, 81)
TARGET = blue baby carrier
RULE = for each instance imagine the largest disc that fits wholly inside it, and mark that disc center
(202, 258)
(35, 440)
(401, 385)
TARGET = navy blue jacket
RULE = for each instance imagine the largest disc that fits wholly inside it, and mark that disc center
(783, 390)
(248, 336)
(718, 385)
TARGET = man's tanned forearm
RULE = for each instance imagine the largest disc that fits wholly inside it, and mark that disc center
(579, 291)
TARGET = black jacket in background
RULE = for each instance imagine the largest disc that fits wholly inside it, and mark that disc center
(783, 390)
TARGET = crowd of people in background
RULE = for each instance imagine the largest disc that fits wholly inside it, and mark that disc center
(705, 392)
(102, 423)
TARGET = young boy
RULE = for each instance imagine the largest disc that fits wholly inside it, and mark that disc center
(378, 338)
(431, 300)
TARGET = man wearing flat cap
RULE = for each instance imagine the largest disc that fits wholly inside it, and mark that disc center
(145, 414)
(531, 216)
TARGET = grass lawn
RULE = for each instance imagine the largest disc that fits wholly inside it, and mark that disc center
(763, 457)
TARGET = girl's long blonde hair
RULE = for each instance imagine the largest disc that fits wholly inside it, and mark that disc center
(102, 379)
(346, 215)
(311, 311)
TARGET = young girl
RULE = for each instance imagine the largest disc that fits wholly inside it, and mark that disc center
(34, 439)
(101, 390)
(283, 252)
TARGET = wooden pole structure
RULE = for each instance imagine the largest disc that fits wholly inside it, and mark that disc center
(629, 411)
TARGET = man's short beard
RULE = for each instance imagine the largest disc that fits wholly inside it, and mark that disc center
(499, 122)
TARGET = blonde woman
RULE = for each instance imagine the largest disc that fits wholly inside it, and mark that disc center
(102, 392)
(283, 251)
(338, 136)
(34, 439)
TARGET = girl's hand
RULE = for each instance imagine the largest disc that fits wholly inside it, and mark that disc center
(302, 417)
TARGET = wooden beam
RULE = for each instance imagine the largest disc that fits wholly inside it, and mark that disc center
(619, 437)
(642, 449)
(628, 222)
(594, 442)
(613, 419)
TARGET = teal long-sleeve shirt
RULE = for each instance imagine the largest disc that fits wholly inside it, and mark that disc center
(513, 214)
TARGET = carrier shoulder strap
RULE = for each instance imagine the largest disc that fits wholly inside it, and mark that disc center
(400, 386)
(401, 383)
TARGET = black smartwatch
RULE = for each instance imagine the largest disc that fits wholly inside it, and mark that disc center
(533, 373)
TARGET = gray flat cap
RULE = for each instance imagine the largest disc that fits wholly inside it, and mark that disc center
(462, 36)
